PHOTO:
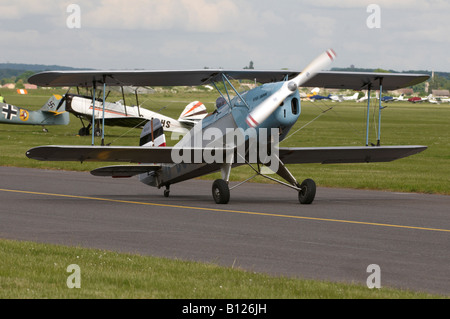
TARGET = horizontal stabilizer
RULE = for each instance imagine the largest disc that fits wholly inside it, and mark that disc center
(335, 155)
(124, 170)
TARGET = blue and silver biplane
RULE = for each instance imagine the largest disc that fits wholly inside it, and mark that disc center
(268, 112)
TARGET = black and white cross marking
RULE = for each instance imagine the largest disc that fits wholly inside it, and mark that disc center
(9, 111)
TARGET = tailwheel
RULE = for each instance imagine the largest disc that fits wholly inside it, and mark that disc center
(221, 191)
(307, 192)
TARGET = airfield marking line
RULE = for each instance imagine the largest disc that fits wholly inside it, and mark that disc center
(228, 211)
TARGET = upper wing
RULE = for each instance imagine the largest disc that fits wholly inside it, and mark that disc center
(326, 79)
(297, 155)
(334, 155)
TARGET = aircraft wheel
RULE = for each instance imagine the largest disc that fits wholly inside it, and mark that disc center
(307, 192)
(83, 131)
(221, 192)
(166, 193)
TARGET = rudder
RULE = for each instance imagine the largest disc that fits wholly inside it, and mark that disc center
(56, 104)
(152, 134)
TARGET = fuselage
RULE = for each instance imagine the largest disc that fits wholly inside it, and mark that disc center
(117, 114)
(230, 119)
(11, 114)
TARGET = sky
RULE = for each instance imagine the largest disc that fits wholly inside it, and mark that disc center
(193, 34)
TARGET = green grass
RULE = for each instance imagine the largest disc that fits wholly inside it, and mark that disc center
(31, 270)
(344, 125)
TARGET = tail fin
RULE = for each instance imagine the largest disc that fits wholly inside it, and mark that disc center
(193, 112)
(56, 104)
(152, 134)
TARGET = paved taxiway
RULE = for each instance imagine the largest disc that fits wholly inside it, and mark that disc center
(262, 229)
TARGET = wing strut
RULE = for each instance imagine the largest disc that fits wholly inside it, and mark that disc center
(379, 112)
(369, 87)
(380, 107)
(93, 112)
(103, 117)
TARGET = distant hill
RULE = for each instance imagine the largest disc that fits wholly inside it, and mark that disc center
(33, 67)
(9, 70)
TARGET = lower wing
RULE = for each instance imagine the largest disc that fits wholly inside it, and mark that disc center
(334, 155)
(296, 155)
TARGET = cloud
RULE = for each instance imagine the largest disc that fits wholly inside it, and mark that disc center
(227, 33)
(385, 4)
(154, 15)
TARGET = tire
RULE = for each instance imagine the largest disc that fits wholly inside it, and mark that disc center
(83, 131)
(307, 192)
(98, 132)
(221, 192)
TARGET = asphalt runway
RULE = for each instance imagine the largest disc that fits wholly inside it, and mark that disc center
(262, 229)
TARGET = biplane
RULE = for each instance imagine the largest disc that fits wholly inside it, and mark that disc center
(257, 120)
(52, 113)
(119, 114)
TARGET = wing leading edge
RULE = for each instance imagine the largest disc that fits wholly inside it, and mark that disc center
(325, 79)
(335, 155)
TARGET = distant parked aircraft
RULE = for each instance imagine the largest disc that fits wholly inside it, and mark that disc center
(341, 98)
(418, 99)
(52, 113)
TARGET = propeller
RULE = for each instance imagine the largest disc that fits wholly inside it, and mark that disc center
(62, 100)
(268, 106)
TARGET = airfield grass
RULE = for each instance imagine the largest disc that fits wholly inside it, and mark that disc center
(403, 123)
(39, 271)
(30, 270)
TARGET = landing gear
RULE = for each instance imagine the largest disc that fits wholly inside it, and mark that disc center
(98, 132)
(84, 131)
(221, 192)
(307, 192)
(167, 191)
